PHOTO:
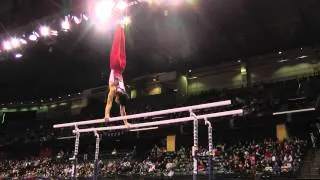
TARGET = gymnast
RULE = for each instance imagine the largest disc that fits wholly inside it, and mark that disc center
(117, 88)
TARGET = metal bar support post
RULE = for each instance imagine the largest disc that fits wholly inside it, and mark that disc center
(210, 147)
(195, 144)
(96, 156)
(74, 159)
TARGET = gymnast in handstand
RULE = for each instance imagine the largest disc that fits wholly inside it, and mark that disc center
(117, 88)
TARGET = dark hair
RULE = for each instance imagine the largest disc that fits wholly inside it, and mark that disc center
(123, 98)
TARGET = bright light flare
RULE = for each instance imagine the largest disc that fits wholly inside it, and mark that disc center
(104, 9)
(65, 25)
(302, 57)
(122, 5)
(125, 21)
(15, 42)
(76, 20)
(176, 2)
(33, 37)
(23, 41)
(54, 33)
(44, 31)
(85, 17)
(7, 45)
(18, 55)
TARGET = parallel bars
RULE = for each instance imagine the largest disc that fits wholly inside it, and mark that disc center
(148, 114)
(163, 122)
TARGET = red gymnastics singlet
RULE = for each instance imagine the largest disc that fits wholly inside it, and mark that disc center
(118, 58)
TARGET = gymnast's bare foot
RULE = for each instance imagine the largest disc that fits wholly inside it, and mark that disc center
(127, 124)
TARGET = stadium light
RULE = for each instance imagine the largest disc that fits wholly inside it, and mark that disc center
(33, 37)
(54, 33)
(193, 77)
(85, 17)
(104, 9)
(283, 60)
(302, 57)
(65, 25)
(44, 31)
(15, 42)
(294, 111)
(76, 19)
(23, 41)
(7, 45)
(18, 55)
(122, 5)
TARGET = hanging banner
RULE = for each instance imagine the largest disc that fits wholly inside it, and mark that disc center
(282, 132)
(171, 143)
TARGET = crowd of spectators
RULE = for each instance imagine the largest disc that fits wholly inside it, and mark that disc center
(268, 157)
(35, 132)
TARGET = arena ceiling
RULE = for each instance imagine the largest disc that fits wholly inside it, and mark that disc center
(159, 39)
